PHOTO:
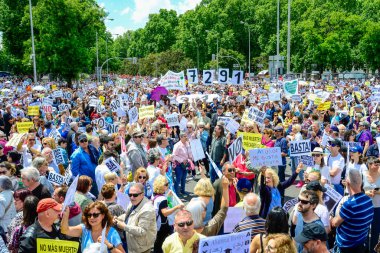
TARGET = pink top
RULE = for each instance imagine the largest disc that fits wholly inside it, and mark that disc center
(182, 152)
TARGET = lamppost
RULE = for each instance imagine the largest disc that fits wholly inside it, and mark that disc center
(249, 48)
(97, 52)
(192, 39)
(217, 51)
(278, 38)
(33, 49)
(288, 42)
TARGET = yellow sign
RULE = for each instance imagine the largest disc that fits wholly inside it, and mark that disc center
(251, 140)
(358, 94)
(267, 87)
(34, 110)
(23, 127)
(53, 87)
(244, 93)
(317, 101)
(102, 98)
(367, 83)
(324, 106)
(146, 112)
(56, 246)
(101, 87)
(330, 88)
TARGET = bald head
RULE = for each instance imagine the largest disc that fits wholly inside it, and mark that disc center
(251, 204)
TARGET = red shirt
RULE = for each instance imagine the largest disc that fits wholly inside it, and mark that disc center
(232, 194)
(240, 164)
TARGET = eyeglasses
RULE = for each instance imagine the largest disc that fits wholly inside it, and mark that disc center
(167, 184)
(187, 223)
(231, 170)
(95, 215)
(83, 141)
(32, 140)
(303, 202)
(142, 177)
(3, 172)
(316, 155)
(135, 195)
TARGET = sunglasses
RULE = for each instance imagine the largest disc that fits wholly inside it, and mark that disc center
(135, 195)
(316, 155)
(3, 172)
(95, 215)
(167, 184)
(45, 144)
(142, 177)
(187, 223)
(304, 202)
(32, 140)
(231, 170)
(138, 136)
(333, 145)
(83, 141)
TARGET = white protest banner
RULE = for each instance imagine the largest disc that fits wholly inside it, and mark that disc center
(351, 144)
(223, 76)
(231, 243)
(111, 164)
(68, 175)
(94, 102)
(183, 124)
(58, 156)
(235, 149)
(64, 107)
(237, 77)
(331, 198)
(56, 178)
(54, 134)
(70, 193)
(100, 122)
(265, 157)
(296, 98)
(307, 160)
(214, 167)
(233, 217)
(122, 199)
(57, 94)
(197, 150)
(264, 99)
(47, 101)
(113, 128)
(67, 95)
(133, 115)
(299, 148)
(115, 104)
(225, 120)
(15, 140)
(256, 115)
(232, 126)
(173, 81)
(274, 96)
(289, 204)
(172, 119)
(325, 139)
(291, 88)
(208, 77)
(192, 75)
(121, 113)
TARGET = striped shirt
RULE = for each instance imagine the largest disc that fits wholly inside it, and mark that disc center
(255, 224)
(357, 213)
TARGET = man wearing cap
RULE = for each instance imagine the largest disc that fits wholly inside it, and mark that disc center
(282, 143)
(48, 212)
(364, 136)
(313, 238)
(84, 161)
(252, 221)
(335, 162)
(136, 153)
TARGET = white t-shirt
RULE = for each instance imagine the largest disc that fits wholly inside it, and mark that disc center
(153, 172)
(335, 162)
(325, 172)
(354, 166)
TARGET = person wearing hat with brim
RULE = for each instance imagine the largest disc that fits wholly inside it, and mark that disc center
(48, 211)
(364, 136)
(136, 153)
(320, 164)
(313, 238)
(215, 118)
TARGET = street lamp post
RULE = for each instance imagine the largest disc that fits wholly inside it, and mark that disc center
(217, 51)
(33, 49)
(278, 39)
(249, 48)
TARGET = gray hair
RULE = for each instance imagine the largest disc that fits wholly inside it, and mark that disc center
(5, 183)
(196, 207)
(38, 162)
(181, 134)
(138, 185)
(355, 178)
(255, 209)
(225, 166)
(31, 173)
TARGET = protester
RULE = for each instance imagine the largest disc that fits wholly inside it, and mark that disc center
(136, 153)
(7, 206)
(313, 239)
(59, 195)
(82, 196)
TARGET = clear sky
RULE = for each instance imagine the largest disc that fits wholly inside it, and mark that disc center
(133, 14)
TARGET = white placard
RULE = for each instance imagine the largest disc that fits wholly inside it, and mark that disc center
(296, 98)
(256, 115)
(223, 76)
(113, 128)
(58, 156)
(64, 107)
(172, 119)
(264, 99)
(47, 108)
(299, 148)
(331, 198)
(56, 178)
(183, 124)
(325, 139)
(192, 75)
(197, 149)
(57, 94)
(68, 95)
(234, 216)
(115, 105)
(112, 165)
(232, 126)
(70, 193)
(121, 113)
(208, 77)
(265, 157)
(68, 174)
(231, 243)
(133, 115)
(289, 204)
(274, 96)
(100, 122)
(122, 199)
(237, 77)
(48, 101)
(214, 167)
(235, 149)
(225, 120)
(307, 160)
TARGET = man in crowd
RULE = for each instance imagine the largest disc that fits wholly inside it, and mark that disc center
(218, 150)
(136, 153)
(30, 177)
(335, 161)
(282, 143)
(75, 217)
(313, 239)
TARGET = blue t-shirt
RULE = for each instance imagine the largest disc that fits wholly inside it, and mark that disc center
(112, 236)
(283, 144)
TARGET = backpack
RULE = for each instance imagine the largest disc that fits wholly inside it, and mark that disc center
(156, 204)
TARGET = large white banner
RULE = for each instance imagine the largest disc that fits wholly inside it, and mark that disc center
(173, 81)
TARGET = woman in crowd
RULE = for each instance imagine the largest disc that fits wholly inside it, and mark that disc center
(280, 243)
(319, 165)
(49, 142)
(96, 217)
(8, 169)
(266, 140)
(276, 222)
(142, 176)
(356, 160)
(42, 166)
(7, 206)
(83, 190)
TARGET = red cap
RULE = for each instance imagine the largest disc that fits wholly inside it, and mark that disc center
(46, 204)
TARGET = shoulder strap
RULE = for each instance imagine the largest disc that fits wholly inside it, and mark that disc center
(261, 243)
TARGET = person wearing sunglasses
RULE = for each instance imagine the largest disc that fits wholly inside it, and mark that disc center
(185, 239)
(319, 165)
(313, 239)
(84, 161)
(142, 177)
(96, 217)
(136, 152)
(28, 150)
(139, 221)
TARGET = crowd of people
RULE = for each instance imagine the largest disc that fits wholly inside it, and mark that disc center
(131, 173)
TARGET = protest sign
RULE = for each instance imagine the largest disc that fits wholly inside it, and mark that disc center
(223, 75)
(289, 204)
(113, 128)
(232, 126)
(133, 115)
(331, 198)
(172, 119)
(214, 167)
(121, 113)
(54, 134)
(197, 150)
(56, 178)
(48, 101)
(317, 101)
(208, 77)
(324, 106)
(192, 75)
(231, 243)
(183, 124)
(122, 199)
(115, 104)
(64, 107)
(299, 148)
(47, 108)
(274, 96)
(146, 112)
(56, 246)
(203, 97)
(251, 140)
(296, 98)
(256, 115)
(235, 149)
(351, 144)
(307, 160)
(264, 99)
(245, 119)
(173, 81)
(53, 87)
(68, 175)
(67, 95)
(57, 94)
(112, 164)
(325, 139)
(100, 123)
(265, 157)
(23, 127)
(233, 217)
(223, 119)
(33, 110)
(237, 77)
(291, 88)
(378, 142)
(70, 193)
(58, 156)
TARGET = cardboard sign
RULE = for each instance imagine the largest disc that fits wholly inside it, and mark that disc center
(324, 106)
(233, 217)
(146, 112)
(172, 119)
(100, 122)
(307, 160)
(256, 115)
(56, 246)
(48, 101)
(33, 110)
(15, 140)
(192, 76)
(235, 149)
(214, 167)
(58, 156)
(57, 94)
(265, 157)
(133, 115)
(197, 150)
(112, 128)
(115, 105)
(331, 198)
(56, 178)
(274, 96)
(350, 144)
(23, 127)
(64, 107)
(299, 148)
(68, 95)
(68, 175)
(291, 88)
(296, 98)
(232, 126)
(230, 243)
(330, 88)
(112, 165)
(251, 140)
